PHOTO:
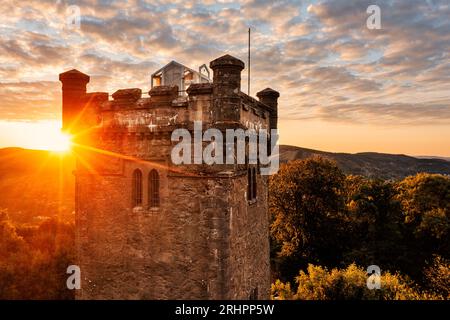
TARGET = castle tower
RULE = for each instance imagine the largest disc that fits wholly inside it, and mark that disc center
(147, 228)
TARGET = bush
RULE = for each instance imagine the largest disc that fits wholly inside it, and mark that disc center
(438, 276)
(318, 283)
(281, 291)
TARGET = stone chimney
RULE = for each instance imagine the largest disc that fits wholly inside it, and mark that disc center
(73, 97)
(270, 97)
(226, 88)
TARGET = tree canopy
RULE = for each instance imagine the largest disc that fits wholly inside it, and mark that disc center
(323, 218)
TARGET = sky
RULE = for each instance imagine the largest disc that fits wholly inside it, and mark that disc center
(344, 87)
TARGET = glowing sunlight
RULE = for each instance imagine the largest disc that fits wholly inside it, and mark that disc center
(60, 142)
(40, 135)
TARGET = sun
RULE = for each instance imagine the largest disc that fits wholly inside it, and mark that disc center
(36, 135)
(60, 142)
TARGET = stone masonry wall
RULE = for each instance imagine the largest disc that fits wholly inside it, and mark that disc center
(248, 263)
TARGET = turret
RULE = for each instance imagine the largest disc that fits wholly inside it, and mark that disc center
(226, 87)
(73, 97)
(270, 97)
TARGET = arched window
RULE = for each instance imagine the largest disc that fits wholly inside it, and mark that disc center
(153, 189)
(137, 188)
(254, 183)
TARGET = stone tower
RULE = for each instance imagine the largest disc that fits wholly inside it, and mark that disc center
(149, 229)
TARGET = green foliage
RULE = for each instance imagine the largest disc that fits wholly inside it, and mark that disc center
(319, 283)
(34, 259)
(319, 216)
(424, 192)
(305, 204)
(374, 220)
(425, 200)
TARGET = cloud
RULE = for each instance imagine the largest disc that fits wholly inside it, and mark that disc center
(431, 113)
(319, 53)
(30, 100)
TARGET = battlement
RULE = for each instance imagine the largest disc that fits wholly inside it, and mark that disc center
(218, 104)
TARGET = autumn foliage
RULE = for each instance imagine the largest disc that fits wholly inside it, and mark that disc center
(34, 259)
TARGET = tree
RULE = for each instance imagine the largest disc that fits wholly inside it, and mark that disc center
(375, 224)
(336, 223)
(422, 193)
(425, 200)
(306, 202)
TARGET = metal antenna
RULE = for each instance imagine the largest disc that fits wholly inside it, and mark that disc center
(248, 87)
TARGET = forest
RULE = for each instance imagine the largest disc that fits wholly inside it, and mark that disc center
(34, 259)
(326, 228)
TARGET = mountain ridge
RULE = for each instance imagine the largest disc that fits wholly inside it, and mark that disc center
(371, 164)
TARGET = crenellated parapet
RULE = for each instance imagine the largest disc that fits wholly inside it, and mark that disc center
(219, 104)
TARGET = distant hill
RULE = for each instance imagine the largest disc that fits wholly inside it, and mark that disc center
(36, 184)
(433, 157)
(372, 164)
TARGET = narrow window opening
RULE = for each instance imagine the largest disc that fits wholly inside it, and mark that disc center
(137, 188)
(153, 189)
